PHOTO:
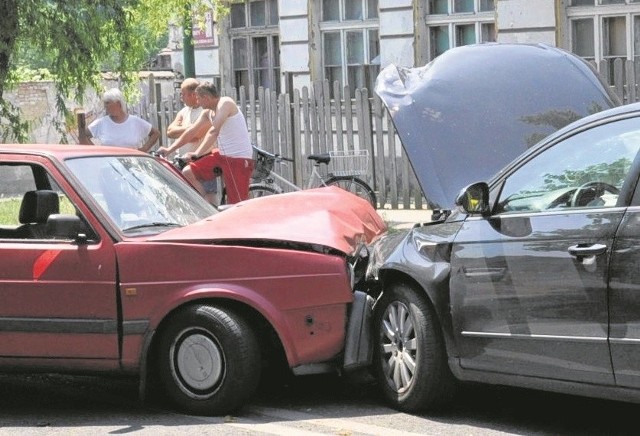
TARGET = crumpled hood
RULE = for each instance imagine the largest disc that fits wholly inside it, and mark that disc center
(474, 109)
(330, 217)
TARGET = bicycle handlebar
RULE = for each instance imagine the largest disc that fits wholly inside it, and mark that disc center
(178, 162)
(274, 156)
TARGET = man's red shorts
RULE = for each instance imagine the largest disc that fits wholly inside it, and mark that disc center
(236, 173)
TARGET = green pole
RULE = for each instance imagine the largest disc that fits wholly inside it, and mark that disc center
(187, 44)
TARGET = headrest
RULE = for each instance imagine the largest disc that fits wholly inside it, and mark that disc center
(38, 205)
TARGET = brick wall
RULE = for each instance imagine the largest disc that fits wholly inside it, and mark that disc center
(37, 102)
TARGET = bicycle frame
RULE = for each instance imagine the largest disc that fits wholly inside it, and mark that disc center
(274, 179)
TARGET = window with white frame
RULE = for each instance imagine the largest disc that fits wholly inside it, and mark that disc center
(350, 42)
(255, 44)
(605, 29)
(454, 23)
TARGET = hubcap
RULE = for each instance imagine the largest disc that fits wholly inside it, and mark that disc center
(198, 363)
(399, 346)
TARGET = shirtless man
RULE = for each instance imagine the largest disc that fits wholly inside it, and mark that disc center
(225, 125)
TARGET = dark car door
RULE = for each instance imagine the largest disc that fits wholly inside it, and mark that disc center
(624, 299)
(529, 284)
(58, 297)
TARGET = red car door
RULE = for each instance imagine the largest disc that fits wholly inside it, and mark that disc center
(58, 297)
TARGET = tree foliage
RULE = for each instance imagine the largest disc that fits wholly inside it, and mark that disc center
(75, 39)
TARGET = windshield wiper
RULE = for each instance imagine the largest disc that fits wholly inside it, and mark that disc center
(153, 224)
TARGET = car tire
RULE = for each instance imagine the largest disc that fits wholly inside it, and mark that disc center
(409, 360)
(208, 360)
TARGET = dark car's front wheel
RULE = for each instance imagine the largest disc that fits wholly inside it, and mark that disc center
(409, 357)
(208, 360)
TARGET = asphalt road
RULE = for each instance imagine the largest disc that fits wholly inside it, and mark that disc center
(318, 405)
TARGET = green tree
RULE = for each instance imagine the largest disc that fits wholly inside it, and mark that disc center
(76, 39)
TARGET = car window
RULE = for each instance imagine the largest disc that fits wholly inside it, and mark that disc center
(586, 170)
(28, 196)
(15, 180)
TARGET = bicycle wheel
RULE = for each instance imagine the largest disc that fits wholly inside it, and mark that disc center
(355, 186)
(259, 190)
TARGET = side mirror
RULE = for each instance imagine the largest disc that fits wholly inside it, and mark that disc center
(474, 199)
(66, 226)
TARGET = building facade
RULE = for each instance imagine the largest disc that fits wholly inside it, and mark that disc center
(287, 44)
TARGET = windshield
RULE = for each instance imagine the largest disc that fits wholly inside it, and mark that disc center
(139, 194)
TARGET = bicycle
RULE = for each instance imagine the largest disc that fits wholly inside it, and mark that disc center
(343, 173)
(178, 163)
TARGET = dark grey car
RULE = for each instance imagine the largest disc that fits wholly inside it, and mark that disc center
(530, 279)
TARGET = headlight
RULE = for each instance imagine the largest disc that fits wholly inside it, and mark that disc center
(351, 274)
(358, 265)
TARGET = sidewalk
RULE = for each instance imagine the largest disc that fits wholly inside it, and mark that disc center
(404, 218)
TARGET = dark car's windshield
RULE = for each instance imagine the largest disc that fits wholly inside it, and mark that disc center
(139, 194)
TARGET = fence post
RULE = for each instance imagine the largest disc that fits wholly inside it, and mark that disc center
(618, 79)
(378, 153)
(328, 123)
(318, 105)
(631, 81)
(315, 127)
(252, 114)
(348, 113)
(297, 139)
(81, 119)
(337, 104)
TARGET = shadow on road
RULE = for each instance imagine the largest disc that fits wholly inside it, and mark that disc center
(55, 401)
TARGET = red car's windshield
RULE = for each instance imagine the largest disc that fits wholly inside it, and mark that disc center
(139, 193)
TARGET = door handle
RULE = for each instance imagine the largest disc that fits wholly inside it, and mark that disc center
(585, 250)
(489, 274)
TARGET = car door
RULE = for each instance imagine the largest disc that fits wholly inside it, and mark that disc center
(529, 283)
(624, 297)
(58, 295)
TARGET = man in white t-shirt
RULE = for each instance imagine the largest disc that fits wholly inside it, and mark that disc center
(187, 115)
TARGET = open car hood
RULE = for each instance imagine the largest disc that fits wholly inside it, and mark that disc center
(474, 109)
(329, 217)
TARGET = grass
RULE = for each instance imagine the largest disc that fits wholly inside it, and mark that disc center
(10, 209)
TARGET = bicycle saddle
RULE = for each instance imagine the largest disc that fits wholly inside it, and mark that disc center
(320, 158)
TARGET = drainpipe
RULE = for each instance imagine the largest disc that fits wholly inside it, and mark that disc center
(187, 44)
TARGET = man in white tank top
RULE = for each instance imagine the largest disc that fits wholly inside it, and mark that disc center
(234, 154)
(187, 115)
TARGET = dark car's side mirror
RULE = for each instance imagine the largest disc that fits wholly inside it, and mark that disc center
(474, 199)
(66, 226)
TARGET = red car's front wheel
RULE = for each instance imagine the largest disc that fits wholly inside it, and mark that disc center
(208, 360)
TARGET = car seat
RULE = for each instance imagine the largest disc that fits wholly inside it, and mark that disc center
(34, 211)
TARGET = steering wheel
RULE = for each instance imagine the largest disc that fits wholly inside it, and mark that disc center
(596, 189)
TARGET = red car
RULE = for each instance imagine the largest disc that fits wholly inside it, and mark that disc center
(112, 263)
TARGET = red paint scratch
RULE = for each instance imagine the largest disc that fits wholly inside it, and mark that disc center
(43, 262)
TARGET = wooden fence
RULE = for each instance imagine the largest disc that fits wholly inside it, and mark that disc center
(623, 76)
(311, 121)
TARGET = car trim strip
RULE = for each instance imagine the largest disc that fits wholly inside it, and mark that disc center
(533, 336)
(567, 211)
(626, 341)
(71, 326)
(136, 327)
